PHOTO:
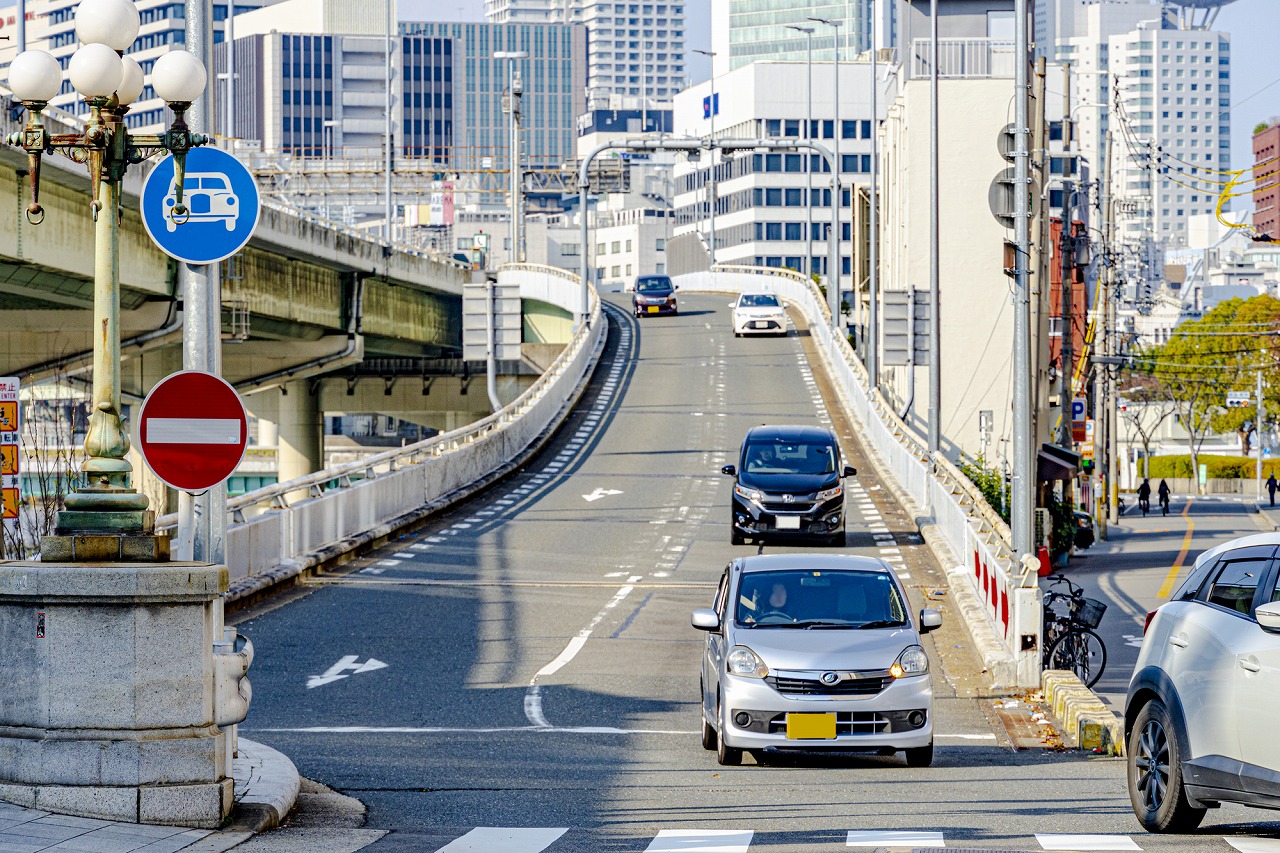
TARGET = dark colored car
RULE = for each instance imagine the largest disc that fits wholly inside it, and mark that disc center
(654, 294)
(788, 483)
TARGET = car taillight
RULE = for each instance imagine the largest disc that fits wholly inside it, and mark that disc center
(1147, 624)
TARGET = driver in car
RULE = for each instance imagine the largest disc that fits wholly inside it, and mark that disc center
(775, 604)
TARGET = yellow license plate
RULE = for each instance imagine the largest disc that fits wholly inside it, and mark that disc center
(811, 726)
(653, 309)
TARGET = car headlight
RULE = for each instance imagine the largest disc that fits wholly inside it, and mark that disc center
(753, 495)
(912, 661)
(834, 492)
(742, 661)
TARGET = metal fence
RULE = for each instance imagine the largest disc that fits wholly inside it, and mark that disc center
(272, 534)
(968, 58)
(1001, 604)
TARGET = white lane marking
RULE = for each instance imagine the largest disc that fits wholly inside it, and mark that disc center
(615, 574)
(435, 538)
(389, 562)
(486, 839)
(1079, 843)
(461, 525)
(895, 838)
(600, 493)
(339, 670)
(701, 841)
(533, 697)
(1254, 845)
(372, 571)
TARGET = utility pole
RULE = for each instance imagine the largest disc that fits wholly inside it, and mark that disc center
(1101, 447)
(1023, 505)
(203, 537)
(1257, 431)
(935, 262)
(1066, 370)
(1040, 235)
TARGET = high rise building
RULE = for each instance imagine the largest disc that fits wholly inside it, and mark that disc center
(759, 30)
(636, 48)
(51, 27)
(1266, 177)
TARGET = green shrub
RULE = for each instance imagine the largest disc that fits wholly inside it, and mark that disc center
(1220, 467)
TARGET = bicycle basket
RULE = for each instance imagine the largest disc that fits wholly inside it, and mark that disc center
(1087, 611)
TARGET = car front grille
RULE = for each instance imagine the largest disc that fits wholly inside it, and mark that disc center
(798, 505)
(869, 686)
(847, 723)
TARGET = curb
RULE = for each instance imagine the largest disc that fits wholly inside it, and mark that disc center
(1084, 720)
(267, 786)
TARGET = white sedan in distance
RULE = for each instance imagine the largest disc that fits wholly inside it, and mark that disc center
(759, 314)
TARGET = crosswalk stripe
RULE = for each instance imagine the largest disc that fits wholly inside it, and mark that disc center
(1082, 843)
(895, 838)
(701, 841)
(1254, 845)
(486, 839)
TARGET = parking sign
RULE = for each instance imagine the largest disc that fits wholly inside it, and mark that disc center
(222, 204)
(1078, 410)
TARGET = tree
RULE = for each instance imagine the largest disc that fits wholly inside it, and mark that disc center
(1149, 405)
(1204, 359)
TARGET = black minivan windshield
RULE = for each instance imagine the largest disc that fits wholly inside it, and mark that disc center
(653, 284)
(792, 457)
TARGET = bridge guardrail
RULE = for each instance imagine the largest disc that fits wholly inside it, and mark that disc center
(272, 536)
(999, 606)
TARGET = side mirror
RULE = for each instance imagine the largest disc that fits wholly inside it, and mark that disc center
(930, 620)
(730, 470)
(1269, 617)
(706, 620)
(849, 471)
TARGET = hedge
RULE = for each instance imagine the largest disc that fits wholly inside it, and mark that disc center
(1220, 467)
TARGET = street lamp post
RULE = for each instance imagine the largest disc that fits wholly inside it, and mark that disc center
(513, 109)
(105, 502)
(808, 135)
(711, 160)
(833, 275)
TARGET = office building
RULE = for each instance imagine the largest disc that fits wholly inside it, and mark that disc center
(51, 27)
(1266, 177)
(756, 30)
(636, 48)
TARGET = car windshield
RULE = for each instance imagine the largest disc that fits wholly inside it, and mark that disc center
(758, 300)
(798, 598)
(660, 284)
(789, 457)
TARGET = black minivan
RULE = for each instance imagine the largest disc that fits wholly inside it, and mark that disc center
(654, 294)
(789, 482)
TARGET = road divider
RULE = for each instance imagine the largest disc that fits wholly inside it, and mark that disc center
(1084, 720)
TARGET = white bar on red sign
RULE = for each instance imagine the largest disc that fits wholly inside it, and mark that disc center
(193, 430)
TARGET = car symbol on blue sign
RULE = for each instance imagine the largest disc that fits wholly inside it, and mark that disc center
(222, 204)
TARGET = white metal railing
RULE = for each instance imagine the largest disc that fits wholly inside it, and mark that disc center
(969, 58)
(272, 531)
(1007, 601)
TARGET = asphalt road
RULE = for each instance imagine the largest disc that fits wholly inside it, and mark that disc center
(521, 675)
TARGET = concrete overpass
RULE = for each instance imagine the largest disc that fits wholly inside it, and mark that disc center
(317, 318)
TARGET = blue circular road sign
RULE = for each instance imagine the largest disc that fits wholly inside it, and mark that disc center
(222, 201)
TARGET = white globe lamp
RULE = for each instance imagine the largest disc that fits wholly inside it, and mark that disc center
(111, 22)
(95, 71)
(35, 76)
(178, 77)
(131, 82)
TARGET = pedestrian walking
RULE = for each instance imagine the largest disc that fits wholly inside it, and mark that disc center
(1144, 496)
(1163, 491)
(1272, 485)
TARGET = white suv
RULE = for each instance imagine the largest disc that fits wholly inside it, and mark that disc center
(1205, 688)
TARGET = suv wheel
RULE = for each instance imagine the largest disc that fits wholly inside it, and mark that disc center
(1156, 788)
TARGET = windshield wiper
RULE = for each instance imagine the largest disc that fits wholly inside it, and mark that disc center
(811, 623)
(882, 623)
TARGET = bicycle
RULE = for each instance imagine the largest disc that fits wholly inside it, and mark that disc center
(1070, 642)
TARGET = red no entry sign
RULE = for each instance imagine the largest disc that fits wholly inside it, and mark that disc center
(192, 430)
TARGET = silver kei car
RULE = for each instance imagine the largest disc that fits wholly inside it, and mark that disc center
(809, 653)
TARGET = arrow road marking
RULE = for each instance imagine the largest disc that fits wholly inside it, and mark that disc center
(1133, 640)
(339, 670)
(600, 493)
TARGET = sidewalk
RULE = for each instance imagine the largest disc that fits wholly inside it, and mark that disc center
(266, 785)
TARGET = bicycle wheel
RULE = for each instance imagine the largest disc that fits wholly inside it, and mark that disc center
(1081, 651)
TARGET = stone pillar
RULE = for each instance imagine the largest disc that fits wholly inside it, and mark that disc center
(112, 690)
(301, 432)
(268, 433)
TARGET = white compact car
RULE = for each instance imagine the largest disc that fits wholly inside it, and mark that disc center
(1198, 718)
(815, 653)
(759, 314)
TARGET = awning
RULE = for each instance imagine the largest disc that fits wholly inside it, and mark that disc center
(1056, 463)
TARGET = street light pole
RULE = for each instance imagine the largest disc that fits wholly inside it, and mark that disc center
(513, 110)
(389, 213)
(104, 502)
(837, 200)
(935, 263)
(873, 278)
(711, 160)
(808, 135)
(1024, 468)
